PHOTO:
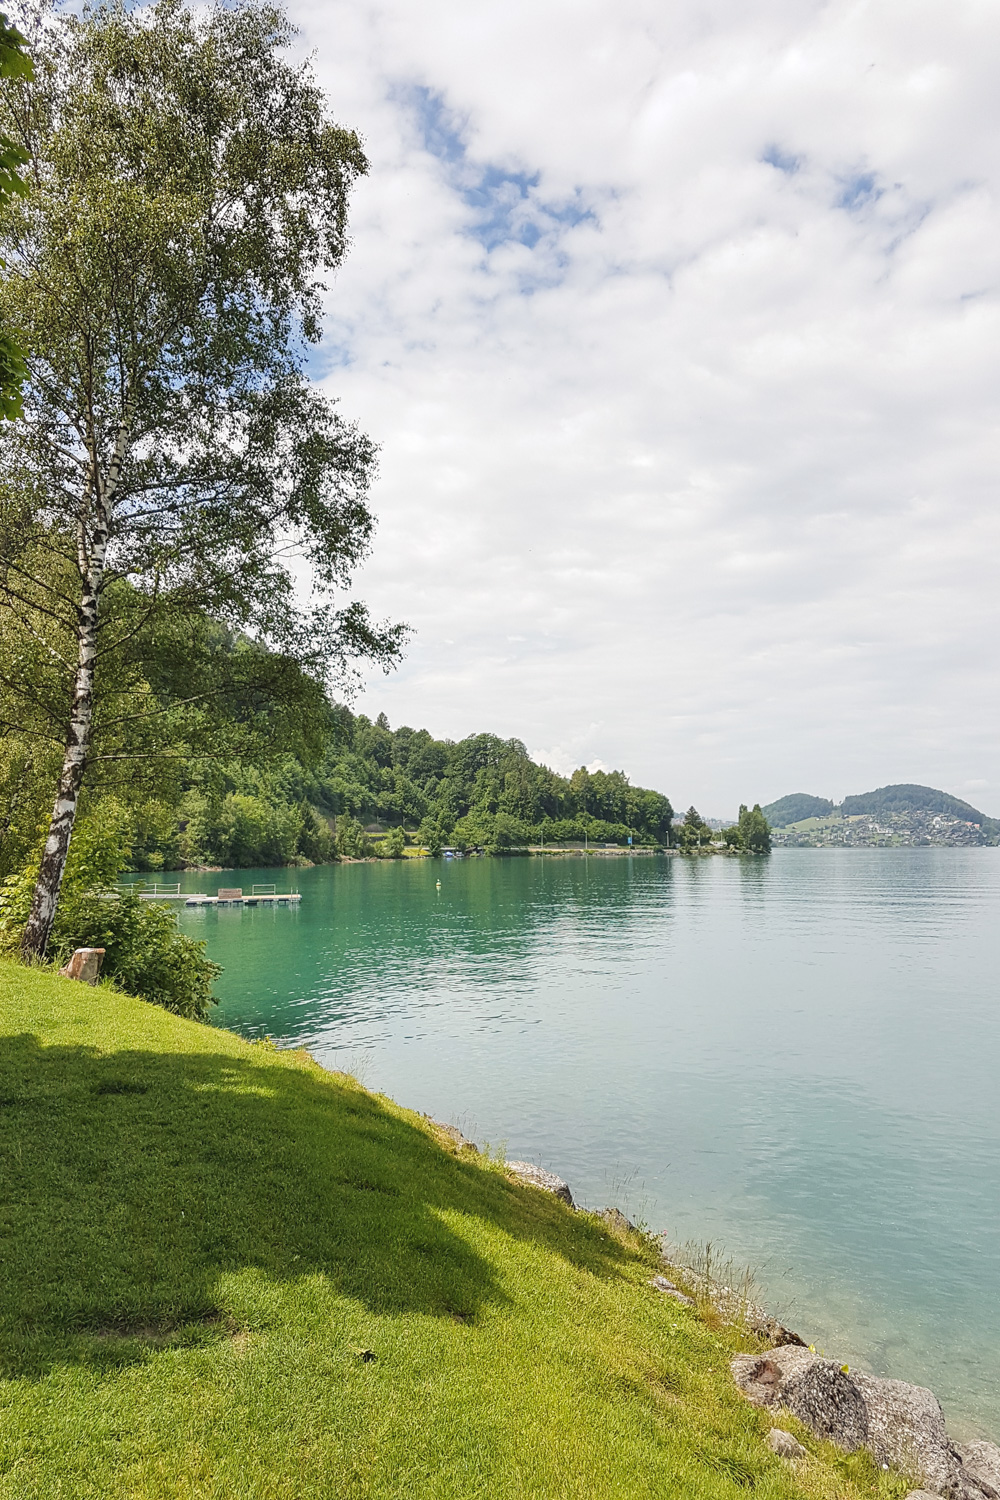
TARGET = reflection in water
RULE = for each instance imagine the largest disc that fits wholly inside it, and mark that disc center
(796, 1056)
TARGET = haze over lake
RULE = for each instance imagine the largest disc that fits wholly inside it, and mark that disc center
(795, 1057)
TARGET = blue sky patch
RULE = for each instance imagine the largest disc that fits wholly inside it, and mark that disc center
(858, 191)
(506, 207)
(784, 161)
(440, 128)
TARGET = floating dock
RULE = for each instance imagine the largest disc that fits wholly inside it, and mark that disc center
(265, 895)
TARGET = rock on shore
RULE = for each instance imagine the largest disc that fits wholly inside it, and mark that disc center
(539, 1178)
(901, 1425)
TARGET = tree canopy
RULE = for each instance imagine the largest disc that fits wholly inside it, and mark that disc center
(188, 194)
(751, 833)
(482, 791)
(795, 807)
(907, 797)
(694, 832)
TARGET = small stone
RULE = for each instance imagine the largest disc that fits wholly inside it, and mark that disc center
(615, 1219)
(661, 1284)
(85, 965)
(784, 1445)
(776, 1333)
(458, 1140)
(539, 1178)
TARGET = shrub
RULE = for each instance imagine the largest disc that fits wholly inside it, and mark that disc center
(144, 955)
(431, 835)
(393, 845)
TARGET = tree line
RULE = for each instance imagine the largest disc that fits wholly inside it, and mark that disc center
(750, 834)
(374, 788)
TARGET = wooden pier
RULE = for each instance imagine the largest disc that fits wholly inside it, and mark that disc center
(260, 895)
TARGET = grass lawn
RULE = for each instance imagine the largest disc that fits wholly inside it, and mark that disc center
(227, 1273)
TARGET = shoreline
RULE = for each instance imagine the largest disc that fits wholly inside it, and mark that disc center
(902, 1424)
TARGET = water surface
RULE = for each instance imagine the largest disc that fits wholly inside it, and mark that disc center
(797, 1058)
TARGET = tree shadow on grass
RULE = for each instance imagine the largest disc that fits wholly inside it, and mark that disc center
(133, 1184)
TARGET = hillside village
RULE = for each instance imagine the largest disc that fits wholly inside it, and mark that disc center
(888, 830)
(899, 816)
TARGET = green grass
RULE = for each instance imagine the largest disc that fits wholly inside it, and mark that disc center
(200, 1238)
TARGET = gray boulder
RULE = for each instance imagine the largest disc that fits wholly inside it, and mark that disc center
(906, 1431)
(815, 1390)
(538, 1177)
(901, 1425)
(981, 1462)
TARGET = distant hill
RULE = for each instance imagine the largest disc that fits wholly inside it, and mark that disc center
(901, 814)
(795, 807)
(905, 797)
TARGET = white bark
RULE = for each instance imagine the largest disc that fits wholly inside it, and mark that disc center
(93, 532)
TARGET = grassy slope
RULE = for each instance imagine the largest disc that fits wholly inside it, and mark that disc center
(198, 1236)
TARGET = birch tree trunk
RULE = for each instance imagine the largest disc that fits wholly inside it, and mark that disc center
(92, 547)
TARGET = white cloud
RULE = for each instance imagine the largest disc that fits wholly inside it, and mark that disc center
(679, 330)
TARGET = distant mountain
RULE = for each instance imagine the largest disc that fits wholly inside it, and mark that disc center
(903, 814)
(795, 807)
(907, 798)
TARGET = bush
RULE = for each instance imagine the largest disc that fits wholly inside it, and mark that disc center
(393, 845)
(144, 955)
(431, 835)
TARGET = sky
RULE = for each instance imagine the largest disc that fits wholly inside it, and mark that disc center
(677, 327)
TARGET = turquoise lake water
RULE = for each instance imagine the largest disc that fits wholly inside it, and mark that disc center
(796, 1058)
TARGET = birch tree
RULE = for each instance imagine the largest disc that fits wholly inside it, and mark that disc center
(188, 192)
(14, 63)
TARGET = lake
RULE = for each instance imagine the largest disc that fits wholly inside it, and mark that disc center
(796, 1058)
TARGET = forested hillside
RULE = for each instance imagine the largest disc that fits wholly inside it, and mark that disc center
(479, 792)
(794, 807)
(905, 797)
